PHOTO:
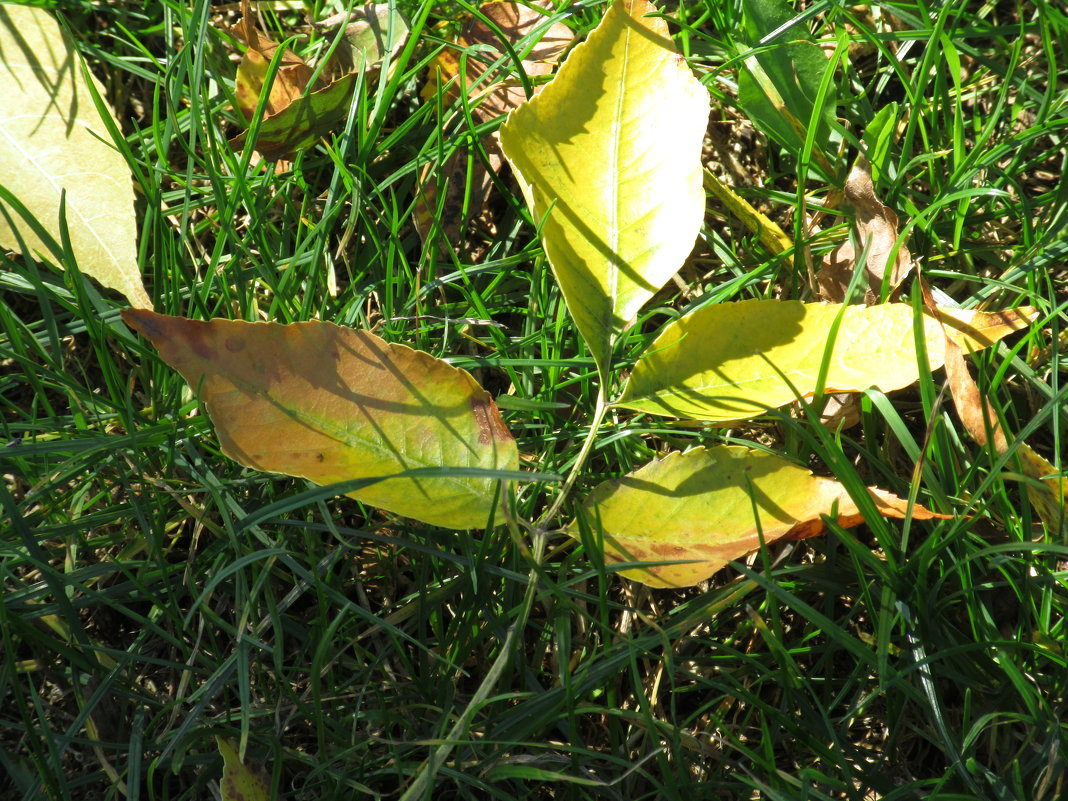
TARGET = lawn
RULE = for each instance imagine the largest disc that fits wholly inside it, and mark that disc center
(160, 598)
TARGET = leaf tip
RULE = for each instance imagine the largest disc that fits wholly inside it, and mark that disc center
(144, 321)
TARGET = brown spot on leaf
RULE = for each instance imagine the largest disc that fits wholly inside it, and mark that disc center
(491, 427)
(196, 336)
(666, 550)
(234, 345)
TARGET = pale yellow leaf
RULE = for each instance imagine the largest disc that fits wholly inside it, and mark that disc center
(54, 141)
(609, 157)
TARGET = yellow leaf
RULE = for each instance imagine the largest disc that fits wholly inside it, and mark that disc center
(706, 507)
(240, 782)
(54, 141)
(609, 156)
(735, 360)
(331, 404)
(1047, 491)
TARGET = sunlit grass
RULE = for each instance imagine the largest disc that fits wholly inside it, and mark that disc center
(156, 594)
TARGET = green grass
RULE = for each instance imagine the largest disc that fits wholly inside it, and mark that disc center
(156, 594)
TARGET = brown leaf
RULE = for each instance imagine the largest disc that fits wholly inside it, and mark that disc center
(370, 33)
(452, 215)
(515, 22)
(876, 228)
(498, 94)
(290, 81)
(1047, 490)
(493, 94)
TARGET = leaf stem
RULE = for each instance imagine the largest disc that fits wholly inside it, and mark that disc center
(429, 769)
(580, 461)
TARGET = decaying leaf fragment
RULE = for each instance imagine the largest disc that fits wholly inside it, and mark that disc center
(55, 151)
(297, 111)
(492, 93)
(708, 506)
(240, 782)
(492, 90)
(1048, 488)
(369, 34)
(330, 404)
(875, 226)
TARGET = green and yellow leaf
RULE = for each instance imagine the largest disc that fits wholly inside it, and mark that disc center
(240, 782)
(703, 508)
(330, 404)
(736, 360)
(609, 157)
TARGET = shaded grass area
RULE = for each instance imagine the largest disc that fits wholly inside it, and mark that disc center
(156, 595)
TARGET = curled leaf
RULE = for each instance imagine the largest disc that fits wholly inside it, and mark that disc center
(875, 225)
(1047, 488)
(298, 111)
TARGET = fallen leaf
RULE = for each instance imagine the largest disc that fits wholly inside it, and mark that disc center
(766, 229)
(56, 146)
(240, 782)
(494, 94)
(467, 186)
(875, 226)
(369, 35)
(297, 111)
(735, 360)
(626, 101)
(300, 124)
(1047, 488)
(290, 81)
(705, 507)
(330, 404)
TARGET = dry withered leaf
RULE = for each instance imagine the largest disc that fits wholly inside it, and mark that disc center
(516, 22)
(452, 216)
(493, 94)
(369, 34)
(875, 225)
(876, 222)
(1047, 491)
(290, 81)
(298, 111)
